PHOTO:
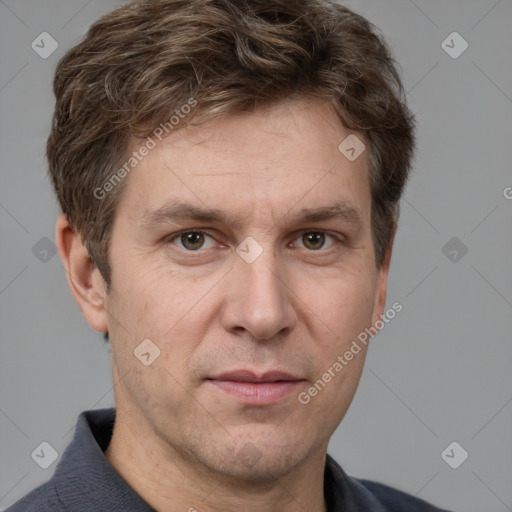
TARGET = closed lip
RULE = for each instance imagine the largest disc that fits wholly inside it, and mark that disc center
(252, 376)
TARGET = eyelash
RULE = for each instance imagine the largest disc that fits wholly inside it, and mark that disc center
(178, 235)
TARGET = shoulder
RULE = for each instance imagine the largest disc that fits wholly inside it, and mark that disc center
(394, 500)
(41, 499)
(350, 493)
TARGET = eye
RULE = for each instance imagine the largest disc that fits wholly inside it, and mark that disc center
(314, 240)
(191, 240)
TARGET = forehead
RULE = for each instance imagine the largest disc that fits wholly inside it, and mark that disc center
(276, 160)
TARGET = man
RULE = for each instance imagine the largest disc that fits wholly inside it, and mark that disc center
(229, 176)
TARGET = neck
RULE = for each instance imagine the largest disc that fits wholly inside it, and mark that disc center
(169, 481)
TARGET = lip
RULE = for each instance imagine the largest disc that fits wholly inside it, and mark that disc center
(252, 389)
(250, 376)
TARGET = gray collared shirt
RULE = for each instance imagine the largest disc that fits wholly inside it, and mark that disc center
(84, 481)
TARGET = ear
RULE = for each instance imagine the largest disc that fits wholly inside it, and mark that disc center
(382, 281)
(84, 279)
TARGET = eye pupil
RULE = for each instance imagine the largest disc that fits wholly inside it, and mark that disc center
(312, 239)
(192, 240)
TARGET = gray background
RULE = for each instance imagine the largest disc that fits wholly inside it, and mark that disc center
(439, 372)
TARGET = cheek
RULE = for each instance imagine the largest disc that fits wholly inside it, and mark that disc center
(169, 310)
(161, 311)
(150, 300)
(342, 310)
(345, 309)
(343, 299)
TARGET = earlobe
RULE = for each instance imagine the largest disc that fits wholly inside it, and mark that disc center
(84, 279)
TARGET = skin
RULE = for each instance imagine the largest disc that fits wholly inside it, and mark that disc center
(295, 308)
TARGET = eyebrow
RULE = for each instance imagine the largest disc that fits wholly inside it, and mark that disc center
(179, 211)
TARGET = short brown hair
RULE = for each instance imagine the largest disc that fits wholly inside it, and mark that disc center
(140, 62)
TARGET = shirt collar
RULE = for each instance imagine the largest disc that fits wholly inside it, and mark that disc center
(84, 473)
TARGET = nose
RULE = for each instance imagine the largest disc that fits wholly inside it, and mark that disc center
(259, 299)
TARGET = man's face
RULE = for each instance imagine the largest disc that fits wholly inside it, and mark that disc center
(212, 309)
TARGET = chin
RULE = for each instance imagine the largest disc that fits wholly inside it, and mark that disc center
(267, 469)
(259, 459)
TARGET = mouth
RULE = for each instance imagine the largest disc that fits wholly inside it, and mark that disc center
(251, 388)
